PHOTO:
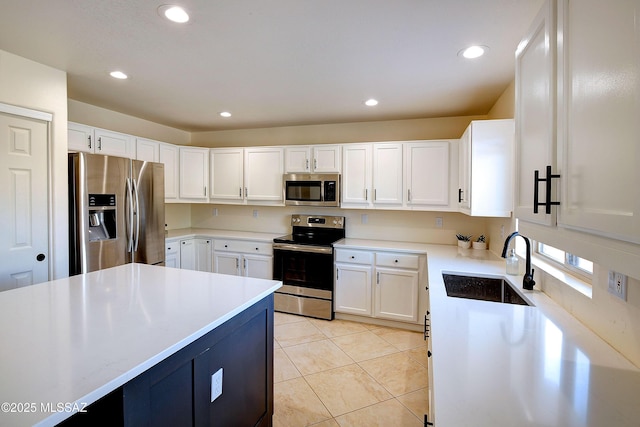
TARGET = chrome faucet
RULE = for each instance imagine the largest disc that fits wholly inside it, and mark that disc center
(527, 281)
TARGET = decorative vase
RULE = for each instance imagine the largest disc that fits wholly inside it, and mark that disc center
(464, 244)
(479, 245)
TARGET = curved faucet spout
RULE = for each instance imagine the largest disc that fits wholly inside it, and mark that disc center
(527, 281)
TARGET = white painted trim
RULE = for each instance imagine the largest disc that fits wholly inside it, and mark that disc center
(26, 112)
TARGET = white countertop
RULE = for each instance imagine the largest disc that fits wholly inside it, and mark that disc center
(74, 340)
(504, 365)
(183, 233)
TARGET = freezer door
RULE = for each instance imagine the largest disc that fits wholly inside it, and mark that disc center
(98, 231)
(148, 218)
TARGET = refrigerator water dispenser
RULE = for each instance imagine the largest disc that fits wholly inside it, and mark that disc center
(102, 217)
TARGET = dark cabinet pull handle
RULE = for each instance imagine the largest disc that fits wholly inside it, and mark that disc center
(40, 257)
(459, 195)
(536, 196)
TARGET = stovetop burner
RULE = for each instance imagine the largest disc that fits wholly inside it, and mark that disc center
(314, 230)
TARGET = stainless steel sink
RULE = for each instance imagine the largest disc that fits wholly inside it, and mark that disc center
(482, 288)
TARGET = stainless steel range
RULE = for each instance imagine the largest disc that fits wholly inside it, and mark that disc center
(303, 261)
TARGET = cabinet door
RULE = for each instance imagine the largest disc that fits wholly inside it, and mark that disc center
(169, 157)
(203, 255)
(227, 263)
(147, 150)
(387, 174)
(114, 144)
(464, 170)
(327, 158)
(353, 289)
(194, 173)
(172, 255)
(258, 266)
(263, 169)
(396, 294)
(427, 173)
(227, 169)
(357, 175)
(297, 159)
(535, 115)
(599, 61)
(188, 254)
(80, 138)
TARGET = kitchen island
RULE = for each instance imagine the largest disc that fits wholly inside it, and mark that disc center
(137, 343)
(504, 365)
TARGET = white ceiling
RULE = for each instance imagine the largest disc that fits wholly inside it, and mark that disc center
(274, 62)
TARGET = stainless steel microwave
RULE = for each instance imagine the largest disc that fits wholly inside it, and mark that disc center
(311, 189)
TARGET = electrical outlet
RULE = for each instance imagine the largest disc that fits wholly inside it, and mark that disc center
(438, 222)
(215, 211)
(502, 231)
(255, 213)
(618, 285)
(216, 385)
(364, 218)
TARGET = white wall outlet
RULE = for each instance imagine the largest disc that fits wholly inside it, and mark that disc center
(502, 231)
(255, 213)
(364, 218)
(438, 222)
(216, 384)
(618, 284)
(215, 211)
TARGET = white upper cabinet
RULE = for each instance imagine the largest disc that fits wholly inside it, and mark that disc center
(194, 174)
(598, 120)
(426, 166)
(486, 168)
(247, 175)
(147, 150)
(357, 175)
(536, 118)
(169, 156)
(387, 174)
(263, 170)
(313, 159)
(227, 175)
(100, 141)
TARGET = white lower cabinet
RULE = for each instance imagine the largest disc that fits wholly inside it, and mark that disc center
(243, 258)
(195, 254)
(378, 284)
(172, 254)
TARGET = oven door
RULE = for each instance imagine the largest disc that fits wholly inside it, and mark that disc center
(309, 269)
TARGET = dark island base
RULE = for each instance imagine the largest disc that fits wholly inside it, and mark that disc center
(177, 391)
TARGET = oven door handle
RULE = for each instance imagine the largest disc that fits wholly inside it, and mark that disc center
(303, 248)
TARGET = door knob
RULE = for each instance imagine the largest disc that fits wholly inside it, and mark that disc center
(40, 257)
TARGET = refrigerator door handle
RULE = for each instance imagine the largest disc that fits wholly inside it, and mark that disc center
(130, 217)
(137, 214)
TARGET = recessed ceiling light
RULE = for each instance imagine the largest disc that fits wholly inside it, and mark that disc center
(118, 75)
(371, 102)
(473, 52)
(173, 13)
(225, 114)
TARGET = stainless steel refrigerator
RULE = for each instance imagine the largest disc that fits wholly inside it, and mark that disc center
(116, 212)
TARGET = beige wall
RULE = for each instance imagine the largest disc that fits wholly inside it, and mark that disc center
(27, 84)
(393, 130)
(91, 115)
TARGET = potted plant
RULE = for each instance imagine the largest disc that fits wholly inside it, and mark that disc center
(464, 241)
(480, 243)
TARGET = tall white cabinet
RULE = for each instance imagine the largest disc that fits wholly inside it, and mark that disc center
(536, 117)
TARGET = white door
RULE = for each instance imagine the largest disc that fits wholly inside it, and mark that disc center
(353, 289)
(396, 295)
(427, 173)
(188, 254)
(357, 176)
(387, 174)
(227, 174)
(263, 169)
(226, 263)
(194, 173)
(296, 159)
(23, 195)
(258, 266)
(327, 158)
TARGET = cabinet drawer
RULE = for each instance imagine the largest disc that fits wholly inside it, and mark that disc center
(243, 246)
(355, 257)
(389, 259)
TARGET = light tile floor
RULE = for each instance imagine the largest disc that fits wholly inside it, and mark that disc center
(339, 373)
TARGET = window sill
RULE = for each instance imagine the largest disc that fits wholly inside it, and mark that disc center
(579, 285)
